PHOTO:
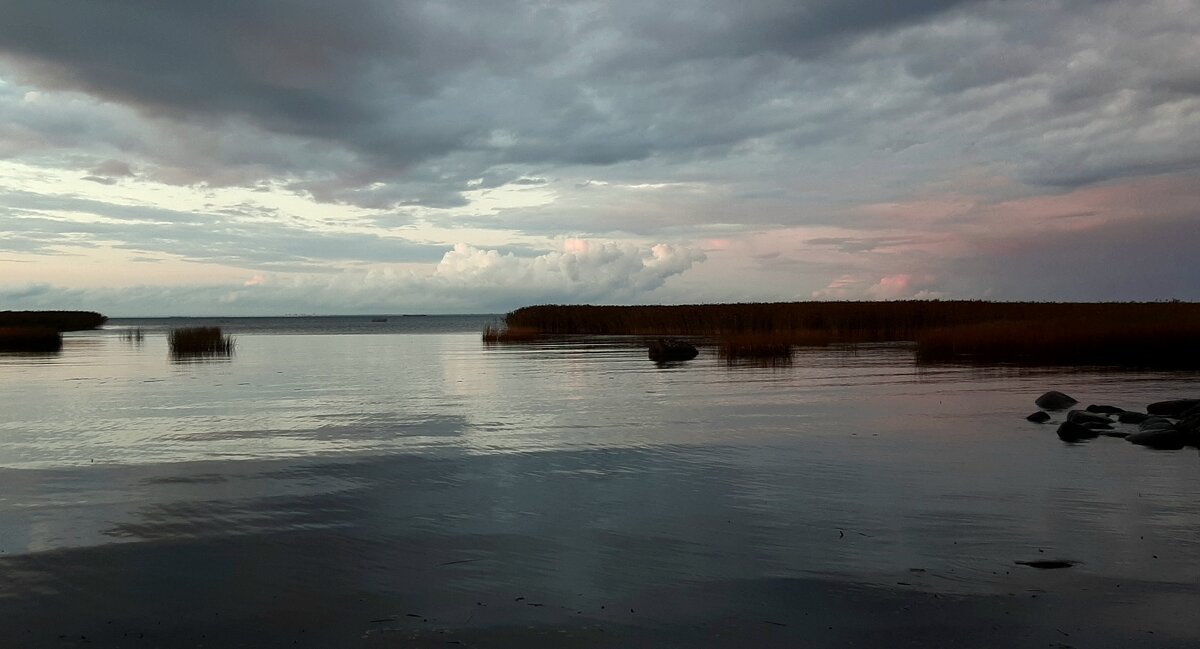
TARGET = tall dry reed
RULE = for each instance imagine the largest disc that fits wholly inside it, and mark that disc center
(200, 341)
(30, 339)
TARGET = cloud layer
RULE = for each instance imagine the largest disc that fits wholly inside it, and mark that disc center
(859, 148)
(466, 280)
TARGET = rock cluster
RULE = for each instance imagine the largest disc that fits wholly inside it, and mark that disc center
(1166, 425)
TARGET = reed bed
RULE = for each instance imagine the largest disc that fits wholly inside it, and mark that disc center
(200, 341)
(772, 347)
(1066, 342)
(1141, 334)
(55, 320)
(30, 339)
(510, 334)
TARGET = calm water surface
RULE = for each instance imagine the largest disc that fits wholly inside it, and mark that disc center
(348, 482)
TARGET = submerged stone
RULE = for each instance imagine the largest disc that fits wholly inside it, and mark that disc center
(1165, 439)
(665, 349)
(1129, 417)
(1069, 431)
(1083, 416)
(1039, 417)
(1105, 410)
(1055, 400)
(1191, 424)
(1173, 408)
(1155, 423)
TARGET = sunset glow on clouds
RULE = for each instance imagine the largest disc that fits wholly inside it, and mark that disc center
(269, 157)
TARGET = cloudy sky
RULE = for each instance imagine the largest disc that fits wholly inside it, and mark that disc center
(383, 156)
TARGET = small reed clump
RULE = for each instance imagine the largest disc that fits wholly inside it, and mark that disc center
(135, 335)
(764, 348)
(768, 348)
(30, 339)
(200, 341)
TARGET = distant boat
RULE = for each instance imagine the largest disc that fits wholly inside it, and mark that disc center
(378, 319)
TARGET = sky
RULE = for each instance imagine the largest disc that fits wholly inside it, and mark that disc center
(270, 157)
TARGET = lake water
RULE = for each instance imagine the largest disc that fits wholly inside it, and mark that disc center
(345, 482)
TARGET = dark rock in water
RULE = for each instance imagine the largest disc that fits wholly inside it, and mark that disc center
(1167, 439)
(1115, 433)
(1054, 400)
(1128, 417)
(665, 349)
(1105, 410)
(1174, 408)
(1039, 417)
(1155, 423)
(1069, 431)
(1190, 424)
(1083, 416)
(1047, 564)
(1190, 427)
(1194, 411)
(1096, 425)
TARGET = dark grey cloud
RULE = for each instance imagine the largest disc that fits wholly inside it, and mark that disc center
(385, 104)
(681, 121)
(381, 88)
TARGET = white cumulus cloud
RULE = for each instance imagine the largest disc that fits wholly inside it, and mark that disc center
(581, 270)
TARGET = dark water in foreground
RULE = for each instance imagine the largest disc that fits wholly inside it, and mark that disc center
(354, 483)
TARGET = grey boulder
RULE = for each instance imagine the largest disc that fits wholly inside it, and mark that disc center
(1083, 416)
(1055, 400)
(1129, 417)
(665, 349)
(1069, 431)
(1173, 408)
(1155, 423)
(1164, 439)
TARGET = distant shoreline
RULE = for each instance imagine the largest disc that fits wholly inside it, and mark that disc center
(56, 320)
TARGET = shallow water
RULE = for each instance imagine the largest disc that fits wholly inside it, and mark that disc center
(344, 481)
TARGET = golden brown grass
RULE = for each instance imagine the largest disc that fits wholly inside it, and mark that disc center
(199, 341)
(29, 339)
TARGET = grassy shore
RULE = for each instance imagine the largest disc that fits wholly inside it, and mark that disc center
(1131, 334)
